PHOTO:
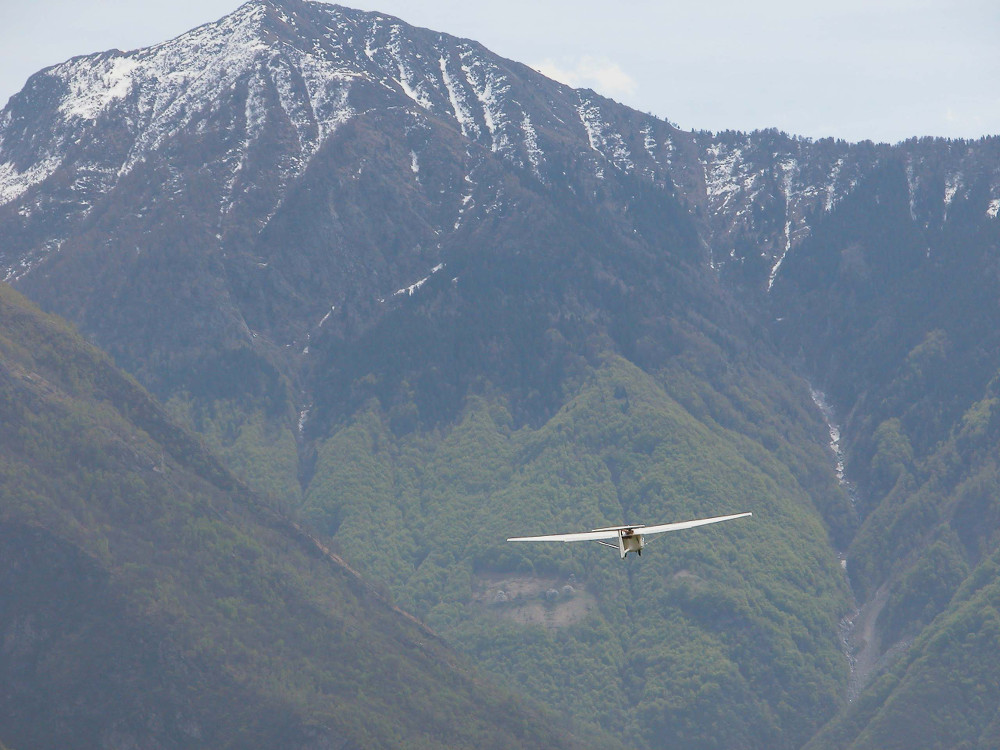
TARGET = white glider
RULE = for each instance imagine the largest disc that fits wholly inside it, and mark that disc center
(630, 538)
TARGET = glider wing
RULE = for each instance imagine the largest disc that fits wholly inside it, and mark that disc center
(647, 530)
(582, 536)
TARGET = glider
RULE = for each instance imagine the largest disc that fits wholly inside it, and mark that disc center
(630, 538)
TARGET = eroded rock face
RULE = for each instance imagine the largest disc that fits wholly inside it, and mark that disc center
(533, 600)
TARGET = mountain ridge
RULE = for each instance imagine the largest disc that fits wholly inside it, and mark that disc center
(741, 196)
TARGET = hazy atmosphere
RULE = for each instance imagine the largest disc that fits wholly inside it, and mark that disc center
(320, 333)
(856, 70)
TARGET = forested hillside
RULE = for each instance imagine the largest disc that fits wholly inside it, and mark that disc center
(564, 377)
(150, 600)
(893, 304)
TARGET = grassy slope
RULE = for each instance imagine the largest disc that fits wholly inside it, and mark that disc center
(721, 637)
(149, 599)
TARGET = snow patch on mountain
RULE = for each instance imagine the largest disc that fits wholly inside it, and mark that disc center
(413, 86)
(768, 191)
(781, 258)
(92, 181)
(327, 88)
(834, 194)
(794, 210)
(602, 138)
(648, 142)
(661, 153)
(728, 176)
(993, 208)
(535, 154)
(459, 104)
(14, 183)
(788, 167)
(465, 201)
(911, 187)
(409, 290)
(490, 87)
(94, 87)
(24, 266)
(952, 185)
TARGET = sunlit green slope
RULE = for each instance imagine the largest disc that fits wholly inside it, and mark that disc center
(718, 637)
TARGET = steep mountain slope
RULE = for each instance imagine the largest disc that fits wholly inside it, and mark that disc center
(265, 97)
(233, 186)
(429, 298)
(151, 601)
(893, 300)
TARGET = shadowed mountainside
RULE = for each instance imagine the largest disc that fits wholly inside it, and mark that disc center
(149, 599)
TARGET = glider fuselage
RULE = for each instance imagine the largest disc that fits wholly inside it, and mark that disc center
(629, 539)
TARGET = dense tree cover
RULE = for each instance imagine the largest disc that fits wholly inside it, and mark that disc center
(150, 600)
(725, 638)
(891, 304)
(258, 448)
(944, 693)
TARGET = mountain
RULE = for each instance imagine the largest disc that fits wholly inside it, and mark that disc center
(151, 600)
(908, 271)
(423, 298)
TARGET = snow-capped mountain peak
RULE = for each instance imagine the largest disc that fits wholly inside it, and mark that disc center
(252, 98)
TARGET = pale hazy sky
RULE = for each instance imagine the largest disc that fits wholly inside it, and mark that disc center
(853, 69)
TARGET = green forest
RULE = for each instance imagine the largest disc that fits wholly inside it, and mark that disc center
(755, 604)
